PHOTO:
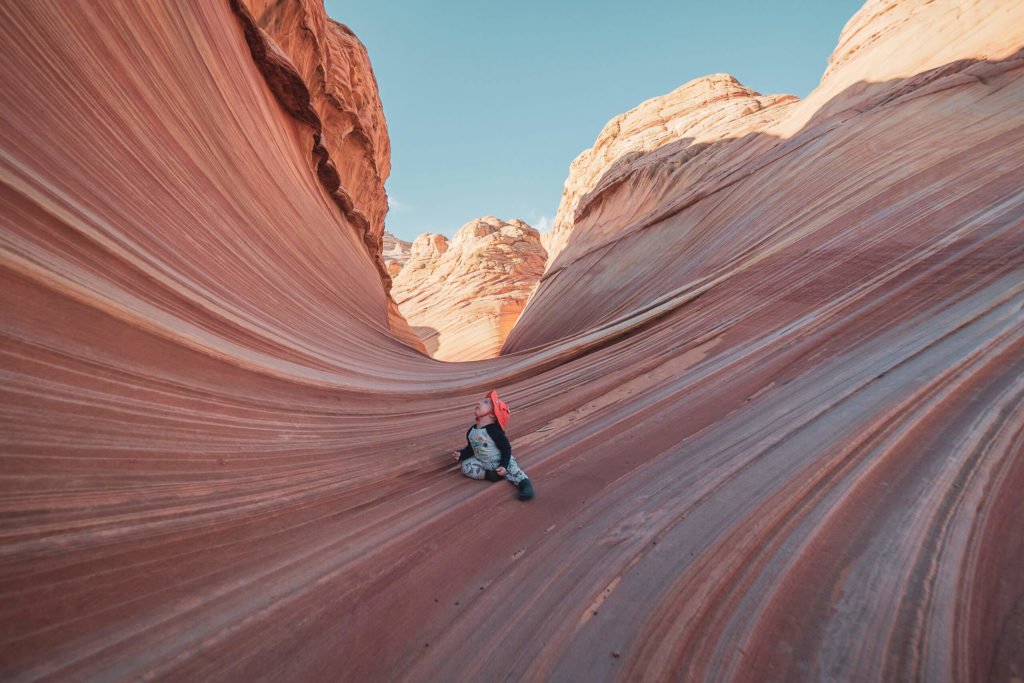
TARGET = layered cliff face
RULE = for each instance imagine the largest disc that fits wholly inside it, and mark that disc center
(335, 68)
(462, 297)
(771, 396)
(320, 72)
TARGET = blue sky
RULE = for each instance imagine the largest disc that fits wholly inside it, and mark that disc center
(488, 103)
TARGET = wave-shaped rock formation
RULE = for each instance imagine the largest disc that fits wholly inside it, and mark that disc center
(321, 74)
(771, 394)
(462, 297)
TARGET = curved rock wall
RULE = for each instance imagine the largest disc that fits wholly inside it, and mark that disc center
(777, 431)
(320, 73)
(343, 91)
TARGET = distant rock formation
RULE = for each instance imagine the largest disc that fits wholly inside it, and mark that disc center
(396, 253)
(463, 296)
(426, 249)
(547, 240)
(705, 109)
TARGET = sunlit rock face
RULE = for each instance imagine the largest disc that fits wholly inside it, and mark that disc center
(701, 111)
(321, 73)
(462, 297)
(770, 396)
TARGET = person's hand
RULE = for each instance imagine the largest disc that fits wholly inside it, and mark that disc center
(502, 471)
(456, 454)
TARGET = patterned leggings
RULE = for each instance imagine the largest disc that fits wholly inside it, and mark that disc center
(474, 469)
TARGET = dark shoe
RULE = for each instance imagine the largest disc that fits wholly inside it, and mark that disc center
(525, 489)
(491, 475)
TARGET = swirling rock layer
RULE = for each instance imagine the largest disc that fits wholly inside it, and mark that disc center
(787, 443)
(462, 297)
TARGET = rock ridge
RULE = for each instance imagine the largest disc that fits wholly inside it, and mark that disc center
(336, 114)
(703, 110)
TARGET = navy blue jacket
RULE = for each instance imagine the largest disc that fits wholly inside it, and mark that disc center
(497, 435)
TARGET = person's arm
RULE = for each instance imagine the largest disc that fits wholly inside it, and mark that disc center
(501, 441)
(468, 450)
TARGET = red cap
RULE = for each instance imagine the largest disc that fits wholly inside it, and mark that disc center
(501, 411)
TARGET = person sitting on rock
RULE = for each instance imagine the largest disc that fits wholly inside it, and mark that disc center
(488, 454)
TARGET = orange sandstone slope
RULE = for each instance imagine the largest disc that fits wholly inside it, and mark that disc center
(462, 297)
(784, 445)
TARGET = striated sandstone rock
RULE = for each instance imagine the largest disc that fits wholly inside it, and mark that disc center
(462, 297)
(704, 110)
(343, 92)
(772, 400)
(547, 240)
(395, 248)
(321, 73)
(910, 41)
(426, 249)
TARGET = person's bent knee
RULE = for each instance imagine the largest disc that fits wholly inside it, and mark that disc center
(473, 470)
